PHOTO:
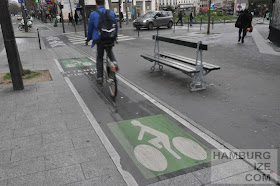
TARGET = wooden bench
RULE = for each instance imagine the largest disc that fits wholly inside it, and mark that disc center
(194, 68)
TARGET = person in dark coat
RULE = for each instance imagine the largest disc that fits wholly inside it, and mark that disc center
(191, 18)
(243, 22)
(76, 17)
(121, 17)
(180, 18)
(70, 18)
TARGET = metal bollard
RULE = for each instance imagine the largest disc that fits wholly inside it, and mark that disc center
(174, 25)
(39, 39)
(200, 22)
(188, 24)
(212, 22)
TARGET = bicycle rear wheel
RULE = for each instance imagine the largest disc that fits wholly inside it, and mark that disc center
(112, 84)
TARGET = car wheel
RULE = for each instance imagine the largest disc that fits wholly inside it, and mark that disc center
(150, 26)
(170, 23)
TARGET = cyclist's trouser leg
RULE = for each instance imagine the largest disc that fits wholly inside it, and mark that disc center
(111, 54)
(99, 60)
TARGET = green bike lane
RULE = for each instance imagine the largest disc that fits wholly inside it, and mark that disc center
(152, 145)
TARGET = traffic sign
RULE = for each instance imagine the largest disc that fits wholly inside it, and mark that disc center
(19, 1)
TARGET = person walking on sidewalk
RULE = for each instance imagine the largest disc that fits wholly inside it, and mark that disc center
(98, 20)
(180, 18)
(70, 18)
(191, 18)
(243, 22)
(76, 17)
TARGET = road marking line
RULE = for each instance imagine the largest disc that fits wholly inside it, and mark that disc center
(127, 39)
(58, 65)
(75, 36)
(123, 36)
(76, 43)
(72, 33)
(49, 28)
(128, 178)
(80, 39)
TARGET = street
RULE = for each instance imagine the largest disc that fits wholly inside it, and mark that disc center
(238, 110)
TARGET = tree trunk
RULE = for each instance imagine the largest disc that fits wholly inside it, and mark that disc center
(126, 12)
(10, 46)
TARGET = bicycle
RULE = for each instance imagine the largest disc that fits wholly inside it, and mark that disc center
(109, 74)
(152, 158)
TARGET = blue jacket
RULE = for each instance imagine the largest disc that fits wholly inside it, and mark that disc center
(93, 33)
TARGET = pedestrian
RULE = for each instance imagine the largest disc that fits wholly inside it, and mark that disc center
(191, 18)
(76, 17)
(243, 22)
(103, 33)
(121, 17)
(60, 17)
(180, 18)
(70, 18)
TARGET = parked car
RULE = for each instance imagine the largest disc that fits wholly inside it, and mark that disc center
(19, 17)
(154, 19)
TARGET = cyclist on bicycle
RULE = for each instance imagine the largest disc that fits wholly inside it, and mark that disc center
(94, 34)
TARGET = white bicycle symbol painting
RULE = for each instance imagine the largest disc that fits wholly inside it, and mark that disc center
(149, 155)
(74, 63)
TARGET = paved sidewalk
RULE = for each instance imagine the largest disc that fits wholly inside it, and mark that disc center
(46, 139)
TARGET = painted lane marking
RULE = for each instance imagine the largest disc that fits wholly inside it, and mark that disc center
(146, 138)
(75, 36)
(80, 42)
(150, 157)
(72, 33)
(127, 39)
(128, 178)
(49, 28)
(76, 62)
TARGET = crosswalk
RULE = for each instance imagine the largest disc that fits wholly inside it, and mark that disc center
(77, 39)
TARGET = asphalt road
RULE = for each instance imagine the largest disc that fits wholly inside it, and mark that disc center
(241, 104)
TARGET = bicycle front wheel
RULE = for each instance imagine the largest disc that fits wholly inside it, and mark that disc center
(112, 84)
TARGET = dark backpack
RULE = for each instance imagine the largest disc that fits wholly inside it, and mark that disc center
(107, 28)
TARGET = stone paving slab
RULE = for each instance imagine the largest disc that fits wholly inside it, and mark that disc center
(187, 179)
(21, 168)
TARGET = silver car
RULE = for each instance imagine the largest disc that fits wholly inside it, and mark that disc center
(154, 19)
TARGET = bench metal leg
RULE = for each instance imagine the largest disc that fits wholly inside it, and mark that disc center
(197, 82)
(160, 67)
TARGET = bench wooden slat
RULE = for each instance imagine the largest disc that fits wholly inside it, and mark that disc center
(173, 64)
(190, 61)
(180, 42)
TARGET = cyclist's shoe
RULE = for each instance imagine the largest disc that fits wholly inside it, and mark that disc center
(99, 80)
(116, 65)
